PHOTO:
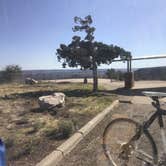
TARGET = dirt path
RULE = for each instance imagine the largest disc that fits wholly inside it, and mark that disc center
(90, 152)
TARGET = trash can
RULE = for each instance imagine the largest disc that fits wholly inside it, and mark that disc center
(129, 80)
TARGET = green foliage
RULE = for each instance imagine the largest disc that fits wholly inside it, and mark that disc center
(65, 128)
(87, 53)
(120, 76)
(11, 73)
(13, 69)
(9, 142)
(83, 52)
(113, 74)
(52, 133)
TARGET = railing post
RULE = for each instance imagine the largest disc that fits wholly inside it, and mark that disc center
(129, 76)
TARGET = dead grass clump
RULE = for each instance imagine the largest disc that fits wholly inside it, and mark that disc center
(63, 130)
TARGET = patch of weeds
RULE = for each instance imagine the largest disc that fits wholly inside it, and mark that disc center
(35, 127)
(63, 113)
(25, 150)
(105, 99)
(9, 142)
(65, 127)
(39, 124)
(52, 133)
(30, 130)
(76, 105)
(63, 131)
(75, 123)
(21, 121)
(22, 113)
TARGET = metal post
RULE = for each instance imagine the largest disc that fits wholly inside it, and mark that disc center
(128, 66)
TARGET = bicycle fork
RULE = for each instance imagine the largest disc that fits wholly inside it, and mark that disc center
(162, 132)
(163, 137)
(162, 160)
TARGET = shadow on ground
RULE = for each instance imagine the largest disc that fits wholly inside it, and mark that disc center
(136, 92)
(69, 93)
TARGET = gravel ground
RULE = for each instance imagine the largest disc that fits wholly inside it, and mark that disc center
(89, 152)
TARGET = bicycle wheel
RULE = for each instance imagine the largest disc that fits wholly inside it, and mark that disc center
(125, 144)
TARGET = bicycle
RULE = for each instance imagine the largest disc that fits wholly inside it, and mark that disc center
(124, 139)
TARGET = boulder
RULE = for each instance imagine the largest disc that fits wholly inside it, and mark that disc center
(52, 101)
(30, 81)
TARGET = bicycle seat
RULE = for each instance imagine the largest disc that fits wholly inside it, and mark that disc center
(154, 94)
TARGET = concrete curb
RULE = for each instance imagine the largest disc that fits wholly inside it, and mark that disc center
(53, 158)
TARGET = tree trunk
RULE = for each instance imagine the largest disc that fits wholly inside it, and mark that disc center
(85, 80)
(95, 79)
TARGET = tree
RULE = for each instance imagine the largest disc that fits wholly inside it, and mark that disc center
(120, 75)
(87, 53)
(111, 73)
(11, 72)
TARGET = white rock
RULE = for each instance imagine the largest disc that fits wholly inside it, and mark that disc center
(30, 81)
(51, 101)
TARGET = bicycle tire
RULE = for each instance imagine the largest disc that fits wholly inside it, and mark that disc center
(111, 149)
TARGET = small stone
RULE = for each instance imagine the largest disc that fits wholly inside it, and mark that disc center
(10, 126)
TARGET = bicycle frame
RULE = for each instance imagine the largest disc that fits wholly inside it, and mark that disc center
(144, 129)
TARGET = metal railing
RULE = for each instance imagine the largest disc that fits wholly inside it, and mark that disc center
(129, 61)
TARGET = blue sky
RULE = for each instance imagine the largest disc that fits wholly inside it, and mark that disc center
(31, 30)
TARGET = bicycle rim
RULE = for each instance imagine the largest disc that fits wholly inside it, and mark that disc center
(116, 136)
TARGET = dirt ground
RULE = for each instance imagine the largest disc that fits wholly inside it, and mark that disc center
(30, 133)
(21, 118)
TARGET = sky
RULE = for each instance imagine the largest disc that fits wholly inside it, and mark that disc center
(32, 30)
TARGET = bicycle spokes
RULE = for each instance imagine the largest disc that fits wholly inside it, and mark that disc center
(123, 144)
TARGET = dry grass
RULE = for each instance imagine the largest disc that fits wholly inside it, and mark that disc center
(24, 127)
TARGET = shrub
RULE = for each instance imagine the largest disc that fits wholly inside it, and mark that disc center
(11, 73)
(65, 128)
(113, 74)
(9, 142)
(52, 133)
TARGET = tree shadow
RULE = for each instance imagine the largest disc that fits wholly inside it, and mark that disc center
(37, 110)
(63, 82)
(136, 92)
(67, 92)
(27, 95)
